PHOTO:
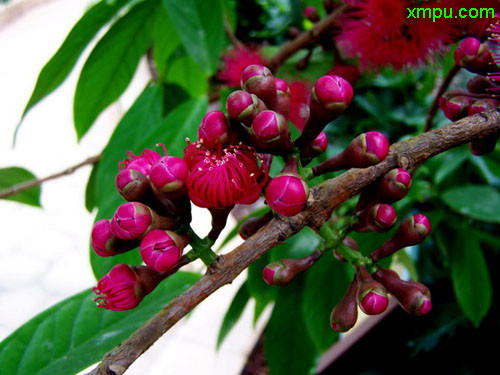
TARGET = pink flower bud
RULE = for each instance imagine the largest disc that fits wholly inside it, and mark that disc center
(414, 297)
(467, 49)
(455, 108)
(284, 271)
(377, 218)
(412, 231)
(283, 99)
(269, 126)
(105, 243)
(373, 301)
(242, 106)
(258, 80)
(141, 163)
(161, 249)
(311, 14)
(131, 184)
(120, 289)
(367, 149)
(316, 147)
(281, 86)
(269, 271)
(474, 56)
(345, 313)
(481, 85)
(333, 92)
(214, 130)
(394, 185)
(131, 221)
(287, 194)
(169, 176)
(253, 73)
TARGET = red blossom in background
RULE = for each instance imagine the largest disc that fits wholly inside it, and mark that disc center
(300, 94)
(379, 33)
(235, 61)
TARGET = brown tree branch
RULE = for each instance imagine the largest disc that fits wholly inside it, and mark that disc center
(435, 104)
(323, 199)
(30, 184)
(304, 39)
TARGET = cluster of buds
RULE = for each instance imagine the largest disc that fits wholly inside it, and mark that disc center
(482, 90)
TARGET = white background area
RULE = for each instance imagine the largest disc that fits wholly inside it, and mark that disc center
(44, 253)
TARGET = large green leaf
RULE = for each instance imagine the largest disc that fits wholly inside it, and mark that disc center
(262, 292)
(288, 347)
(12, 176)
(480, 202)
(470, 276)
(184, 72)
(326, 284)
(74, 334)
(112, 63)
(63, 61)
(141, 127)
(297, 246)
(165, 40)
(200, 28)
(234, 312)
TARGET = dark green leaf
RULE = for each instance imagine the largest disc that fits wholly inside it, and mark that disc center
(63, 61)
(479, 202)
(13, 176)
(112, 63)
(200, 28)
(450, 161)
(165, 40)
(470, 276)
(288, 347)
(234, 312)
(489, 169)
(326, 284)
(297, 246)
(90, 190)
(257, 287)
(74, 334)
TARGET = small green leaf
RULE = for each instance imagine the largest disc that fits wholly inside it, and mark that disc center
(470, 276)
(90, 190)
(479, 202)
(200, 28)
(13, 176)
(63, 61)
(288, 347)
(326, 284)
(74, 334)
(234, 312)
(112, 63)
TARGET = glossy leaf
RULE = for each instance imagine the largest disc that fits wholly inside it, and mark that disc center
(184, 72)
(234, 312)
(258, 288)
(112, 63)
(63, 61)
(200, 28)
(470, 276)
(325, 284)
(289, 349)
(13, 176)
(165, 40)
(297, 246)
(73, 334)
(479, 202)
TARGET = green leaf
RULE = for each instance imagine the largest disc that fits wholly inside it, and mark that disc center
(200, 28)
(297, 246)
(90, 190)
(13, 176)
(184, 72)
(112, 63)
(479, 202)
(450, 161)
(165, 40)
(326, 284)
(74, 334)
(288, 347)
(470, 276)
(234, 312)
(63, 61)
(257, 287)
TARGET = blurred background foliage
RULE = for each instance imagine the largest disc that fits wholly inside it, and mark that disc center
(184, 41)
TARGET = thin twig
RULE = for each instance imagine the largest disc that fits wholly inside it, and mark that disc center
(435, 104)
(230, 34)
(323, 199)
(30, 184)
(304, 39)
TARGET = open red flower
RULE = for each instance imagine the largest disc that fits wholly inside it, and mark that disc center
(222, 178)
(235, 61)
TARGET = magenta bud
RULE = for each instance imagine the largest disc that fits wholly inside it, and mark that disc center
(414, 297)
(475, 56)
(373, 301)
(316, 147)
(367, 149)
(242, 106)
(142, 163)
(467, 50)
(161, 249)
(131, 221)
(485, 145)
(131, 184)
(283, 97)
(214, 130)
(287, 194)
(281, 86)
(350, 243)
(169, 176)
(412, 231)
(283, 272)
(455, 108)
(345, 313)
(377, 218)
(269, 271)
(105, 243)
(394, 186)
(258, 80)
(481, 85)
(120, 289)
(311, 14)
(333, 92)
(269, 126)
